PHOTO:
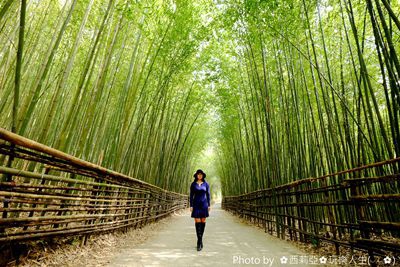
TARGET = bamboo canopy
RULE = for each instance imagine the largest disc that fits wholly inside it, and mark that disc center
(292, 108)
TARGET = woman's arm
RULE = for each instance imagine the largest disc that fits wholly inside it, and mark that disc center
(191, 195)
(208, 194)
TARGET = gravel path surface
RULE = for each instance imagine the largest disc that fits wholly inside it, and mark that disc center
(228, 241)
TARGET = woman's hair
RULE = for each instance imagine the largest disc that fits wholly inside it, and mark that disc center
(197, 172)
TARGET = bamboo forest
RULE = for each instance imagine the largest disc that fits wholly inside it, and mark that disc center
(290, 107)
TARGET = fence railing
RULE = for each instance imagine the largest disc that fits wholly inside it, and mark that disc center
(357, 208)
(50, 194)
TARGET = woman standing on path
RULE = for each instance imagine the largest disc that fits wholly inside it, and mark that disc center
(199, 204)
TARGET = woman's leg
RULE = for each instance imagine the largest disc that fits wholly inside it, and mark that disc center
(202, 226)
(197, 224)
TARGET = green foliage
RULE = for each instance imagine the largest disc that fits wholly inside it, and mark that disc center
(281, 90)
(296, 100)
(119, 91)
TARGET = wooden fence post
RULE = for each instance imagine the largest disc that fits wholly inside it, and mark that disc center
(364, 231)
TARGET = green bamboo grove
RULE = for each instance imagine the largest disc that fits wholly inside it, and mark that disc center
(283, 90)
(313, 88)
(107, 81)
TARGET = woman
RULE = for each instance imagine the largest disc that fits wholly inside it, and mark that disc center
(199, 204)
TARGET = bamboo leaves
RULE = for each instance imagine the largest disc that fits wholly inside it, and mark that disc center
(314, 106)
(130, 85)
(110, 82)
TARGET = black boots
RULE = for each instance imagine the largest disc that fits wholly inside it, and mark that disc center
(199, 231)
(203, 225)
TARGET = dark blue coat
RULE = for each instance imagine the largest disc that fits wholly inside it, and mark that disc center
(199, 199)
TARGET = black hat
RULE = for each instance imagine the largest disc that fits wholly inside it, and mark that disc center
(199, 171)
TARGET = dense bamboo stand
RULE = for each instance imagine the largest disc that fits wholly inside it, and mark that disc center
(52, 194)
(357, 208)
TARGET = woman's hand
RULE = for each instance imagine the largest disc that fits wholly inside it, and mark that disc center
(191, 209)
(208, 208)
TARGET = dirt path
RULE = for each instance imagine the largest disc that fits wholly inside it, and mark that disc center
(227, 242)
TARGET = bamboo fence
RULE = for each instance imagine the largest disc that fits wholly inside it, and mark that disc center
(52, 194)
(357, 208)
